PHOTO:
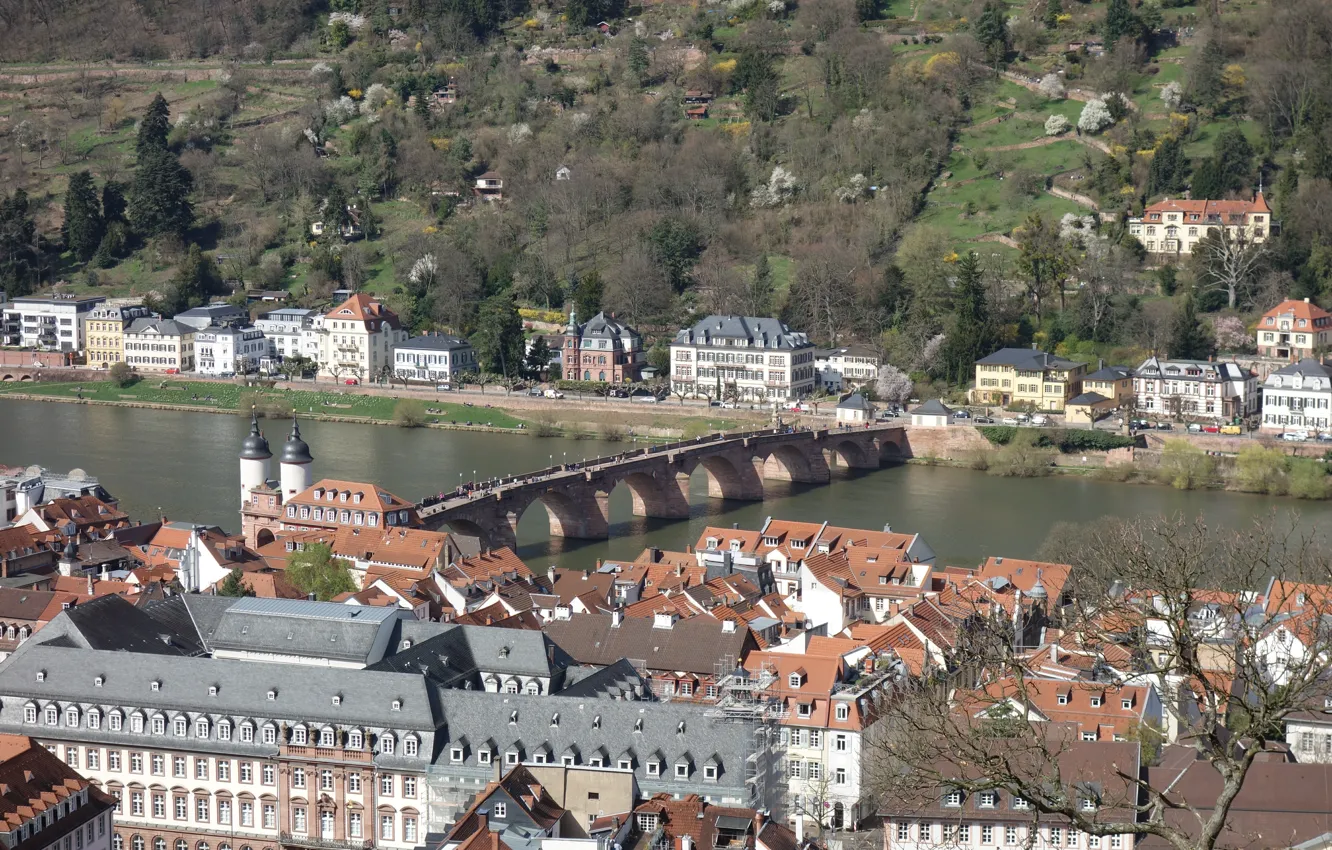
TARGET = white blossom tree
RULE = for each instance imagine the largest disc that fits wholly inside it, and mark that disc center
(892, 384)
(1052, 87)
(1095, 116)
(781, 186)
(375, 97)
(1172, 95)
(1056, 125)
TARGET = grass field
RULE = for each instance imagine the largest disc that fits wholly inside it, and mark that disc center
(217, 396)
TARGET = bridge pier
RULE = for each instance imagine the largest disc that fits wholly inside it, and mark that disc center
(804, 465)
(584, 514)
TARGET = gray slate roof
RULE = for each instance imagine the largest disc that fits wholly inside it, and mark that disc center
(310, 629)
(165, 327)
(1109, 373)
(1027, 360)
(1305, 368)
(1088, 398)
(1178, 370)
(933, 407)
(433, 342)
(761, 332)
(602, 326)
(113, 623)
(855, 401)
(452, 655)
(617, 681)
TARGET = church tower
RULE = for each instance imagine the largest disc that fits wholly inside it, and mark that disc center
(294, 465)
(254, 457)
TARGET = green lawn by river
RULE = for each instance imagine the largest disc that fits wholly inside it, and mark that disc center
(219, 396)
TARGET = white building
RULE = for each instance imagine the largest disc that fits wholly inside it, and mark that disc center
(846, 368)
(1176, 226)
(49, 322)
(433, 357)
(742, 357)
(855, 409)
(1195, 389)
(933, 413)
(354, 341)
(288, 328)
(228, 350)
(1298, 396)
(159, 345)
(1309, 734)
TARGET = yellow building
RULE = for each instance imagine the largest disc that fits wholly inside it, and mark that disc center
(356, 339)
(159, 345)
(105, 332)
(1014, 377)
(1114, 383)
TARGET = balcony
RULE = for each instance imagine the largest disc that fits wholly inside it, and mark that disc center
(290, 839)
(326, 753)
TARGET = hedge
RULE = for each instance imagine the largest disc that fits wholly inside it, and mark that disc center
(533, 315)
(1068, 441)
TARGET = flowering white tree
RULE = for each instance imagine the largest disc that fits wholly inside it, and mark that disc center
(892, 384)
(354, 22)
(1095, 116)
(1074, 228)
(929, 355)
(519, 133)
(1231, 334)
(781, 186)
(424, 271)
(1172, 95)
(1051, 87)
(341, 110)
(375, 97)
(856, 188)
(1056, 125)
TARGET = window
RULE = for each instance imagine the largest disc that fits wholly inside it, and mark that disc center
(201, 809)
(182, 808)
(298, 821)
(904, 832)
(386, 745)
(1010, 835)
(201, 728)
(113, 761)
(386, 786)
(814, 770)
(989, 799)
(386, 827)
(654, 767)
(409, 829)
(51, 716)
(355, 739)
(410, 745)
(136, 762)
(246, 772)
(682, 770)
(178, 767)
(964, 834)
(409, 787)
(298, 736)
(843, 712)
(1021, 804)
(114, 721)
(270, 734)
(247, 814)
(178, 727)
(353, 783)
(1056, 836)
(136, 804)
(298, 777)
(647, 823)
(224, 731)
(326, 736)
(1062, 699)
(247, 733)
(1096, 701)
(267, 774)
(839, 776)
(158, 765)
(1126, 704)
(325, 780)
(1088, 804)
(29, 713)
(94, 719)
(270, 816)
(501, 810)
(354, 825)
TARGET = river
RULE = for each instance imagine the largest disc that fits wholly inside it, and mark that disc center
(184, 465)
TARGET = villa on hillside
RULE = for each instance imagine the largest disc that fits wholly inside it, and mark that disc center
(1175, 226)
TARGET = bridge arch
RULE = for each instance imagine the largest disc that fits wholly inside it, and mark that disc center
(890, 451)
(567, 516)
(653, 497)
(469, 528)
(848, 454)
(786, 462)
(729, 480)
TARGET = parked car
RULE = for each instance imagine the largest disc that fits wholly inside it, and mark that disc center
(1023, 418)
(1324, 436)
(961, 414)
(984, 420)
(173, 371)
(619, 393)
(536, 391)
(1040, 420)
(729, 405)
(552, 393)
(1295, 436)
(1212, 429)
(351, 382)
(1010, 420)
(1195, 428)
(1140, 423)
(1164, 426)
(1231, 429)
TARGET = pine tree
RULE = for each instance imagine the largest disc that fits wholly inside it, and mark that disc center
(233, 585)
(970, 338)
(537, 360)
(1053, 9)
(498, 339)
(761, 288)
(1120, 22)
(113, 201)
(1208, 182)
(159, 198)
(1287, 187)
(638, 60)
(587, 295)
(1169, 168)
(154, 127)
(18, 235)
(83, 228)
(1188, 339)
(992, 31)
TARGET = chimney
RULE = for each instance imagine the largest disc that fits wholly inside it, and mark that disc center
(1100, 363)
(758, 823)
(617, 617)
(1306, 300)
(310, 597)
(728, 627)
(800, 830)
(1054, 653)
(686, 842)
(90, 584)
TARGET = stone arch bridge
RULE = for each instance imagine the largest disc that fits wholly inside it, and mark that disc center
(577, 498)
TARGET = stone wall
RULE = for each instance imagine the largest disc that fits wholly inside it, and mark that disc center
(950, 442)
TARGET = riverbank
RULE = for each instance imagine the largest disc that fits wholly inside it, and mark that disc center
(521, 415)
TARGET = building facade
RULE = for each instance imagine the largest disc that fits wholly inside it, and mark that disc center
(744, 358)
(1195, 388)
(159, 345)
(49, 322)
(846, 368)
(46, 804)
(355, 340)
(1298, 396)
(289, 328)
(1177, 226)
(105, 330)
(601, 349)
(1026, 377)
(433, 357)
(213, 315)
(1294, 330)
(230, 350)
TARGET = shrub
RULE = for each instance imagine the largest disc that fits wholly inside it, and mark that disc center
(1308, 479)
(1076, 440)
(274, 407)
(1095, 116)
(409, 413)
(1023, 457)
(1260, 470)
(545, 426)
(122, 375)
(612, 433)
(1184, 466)
(1056, 125)
(999, 435)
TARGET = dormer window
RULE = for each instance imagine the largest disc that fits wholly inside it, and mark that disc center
(804, 709)
(97, 681)
(337, 699)
(155, 685)
(843, 712)
(212, 690)
(272, 695)
(41, 676)
(988, 799)
(396, 705)
(1095, 700)
(1062, 699)
(796, 680)
(953, 799)
(1127, 704)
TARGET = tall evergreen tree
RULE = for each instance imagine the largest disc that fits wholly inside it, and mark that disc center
(1120, 22)
(1169, 169)
(1287, 187)
(1188, 339)
(113, 201)
(991, 31)
(537, 360)
(154, 127)
(159, 198)
(970, 338)
(1053, 9)
(83, 227)
(498, 339)
(18, 234)
(1208, 182)
(588, 294)
(1234, 159)
(234, 585)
